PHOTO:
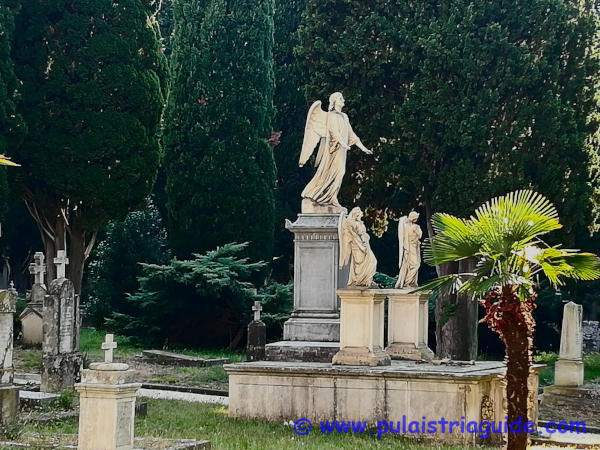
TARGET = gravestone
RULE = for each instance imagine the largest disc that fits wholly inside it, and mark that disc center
(32, 316)
(313, 331)
(257, 336)
(61, 359)
(568, 370)
(107, 396)
(9, 394)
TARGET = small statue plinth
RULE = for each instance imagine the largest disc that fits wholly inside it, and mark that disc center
(408, 323)
(361, 330)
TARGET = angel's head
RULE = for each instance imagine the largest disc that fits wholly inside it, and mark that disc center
(336, 99)
(356, 213)
(413, 216)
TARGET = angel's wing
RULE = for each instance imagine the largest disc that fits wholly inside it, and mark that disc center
(315, 130)
(401, 224)
(345, 247)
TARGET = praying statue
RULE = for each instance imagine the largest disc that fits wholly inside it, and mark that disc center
(409, 241)
(332, 131)
(356, 250)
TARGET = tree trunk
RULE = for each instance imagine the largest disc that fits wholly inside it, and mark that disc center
(514, 323)
(455, 315)
(456, 320)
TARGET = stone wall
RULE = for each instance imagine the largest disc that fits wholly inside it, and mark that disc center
(591, 336)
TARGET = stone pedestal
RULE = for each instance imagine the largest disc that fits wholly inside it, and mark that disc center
(107, 407)
(316, 278)
(408, 323)
(568, 370)
(361, 334)
(316, 317)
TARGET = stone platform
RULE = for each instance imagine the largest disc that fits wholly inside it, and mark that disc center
(283, 391)
(299, 351)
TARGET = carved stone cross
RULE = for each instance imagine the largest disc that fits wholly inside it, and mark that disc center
(38, 268)
(108, 346)
(61, 262)
(257, 308)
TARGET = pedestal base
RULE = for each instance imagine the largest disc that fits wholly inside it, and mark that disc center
(361, 356)
(107, 408)
(568, 373)
(361, 331)
(312, 329)
(409, 351)
(302, 351)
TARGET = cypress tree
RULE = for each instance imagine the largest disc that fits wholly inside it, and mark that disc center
(11, 125)
(219, 166)
(289, 120)
(93, 91)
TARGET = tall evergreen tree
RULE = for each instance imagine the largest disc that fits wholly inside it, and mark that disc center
(462, 101)
(289, 120)
(220, 169)
(11, 125)
(93, 91)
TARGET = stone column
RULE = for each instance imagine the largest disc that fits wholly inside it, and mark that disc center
(107, 405)
(361, 338)
(61, 359)
(408, 323)
(9, 394)
(568, 370)
(316, 278)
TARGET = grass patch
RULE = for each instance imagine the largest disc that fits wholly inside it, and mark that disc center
(28, 359)
(591, 367)
(91, 341)
(181, 420)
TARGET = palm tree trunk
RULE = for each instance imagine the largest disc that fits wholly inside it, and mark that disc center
(514, 323)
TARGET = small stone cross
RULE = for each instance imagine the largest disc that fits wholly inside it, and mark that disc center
(38, 268)
(257, 308)
(108, 346)
(61, 262)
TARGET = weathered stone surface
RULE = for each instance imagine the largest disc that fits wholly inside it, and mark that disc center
(7, 310)
(298, 351)
(61, 360)
(257, 339)
(316, 278)
(278, 391)
(591, 336)
(31, 325)
(9, 405)
(568, 370)
(362, 326)
(33, 399)
(163, 357)
(408, 320)
(60, 372)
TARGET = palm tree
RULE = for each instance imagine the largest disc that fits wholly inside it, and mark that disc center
(504, 239)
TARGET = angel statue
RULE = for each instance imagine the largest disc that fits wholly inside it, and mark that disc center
(332, 131)
(355, 249)
(409, 240)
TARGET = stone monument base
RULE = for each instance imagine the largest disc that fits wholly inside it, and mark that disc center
(566, 396)
(409, 351)
(60, 372)
(568, 372)
(403, 391)
(326, 329)
(361, 356)
(299, 351)
(9, 405)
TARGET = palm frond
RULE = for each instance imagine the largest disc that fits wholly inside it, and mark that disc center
(447, 284)
(454, 240)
